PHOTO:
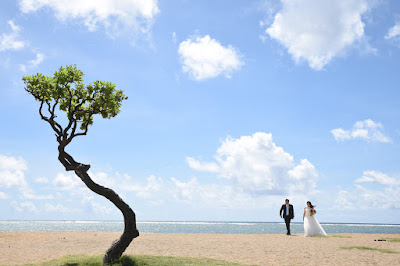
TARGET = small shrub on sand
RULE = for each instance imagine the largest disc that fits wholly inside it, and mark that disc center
(368, 248)
(393, 239)
(339, 236)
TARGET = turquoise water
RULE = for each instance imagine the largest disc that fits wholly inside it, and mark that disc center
(191, 227)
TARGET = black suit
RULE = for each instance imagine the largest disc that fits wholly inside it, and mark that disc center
(288, 216)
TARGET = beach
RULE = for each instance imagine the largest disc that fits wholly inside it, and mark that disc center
(268, 249)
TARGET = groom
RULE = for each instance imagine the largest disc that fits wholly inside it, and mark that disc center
(288, 214)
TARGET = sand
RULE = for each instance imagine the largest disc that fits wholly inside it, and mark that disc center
(30, 247)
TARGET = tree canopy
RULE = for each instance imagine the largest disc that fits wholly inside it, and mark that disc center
(67, 91)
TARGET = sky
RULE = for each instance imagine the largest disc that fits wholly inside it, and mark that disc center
(233, 106)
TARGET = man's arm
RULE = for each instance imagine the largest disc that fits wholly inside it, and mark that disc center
(280, 212)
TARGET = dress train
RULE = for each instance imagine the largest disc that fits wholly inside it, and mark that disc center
(311, 225)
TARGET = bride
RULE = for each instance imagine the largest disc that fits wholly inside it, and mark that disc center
(311, 225)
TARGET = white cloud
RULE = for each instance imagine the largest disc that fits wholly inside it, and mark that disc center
(304, 175)
(10, 41)
(363, 199)
(224, 196)
(12, 174)
(28, 193)
(32, 63)
(12, 171)
(152, 185)
(135, 16)
(70, 181)
(24, 206)
(39, 59)
(3, 195)
(204, 58)
(345, 200)
(185, 190)
(216, 195)
(96, 207)
(381, 197)
(393, 32)
(318, 30)
(255, 165)
(366, 130)
(102, 178)
(67, 181)
(377, 177)
(341, 134)
(202, 166)
(55, 208)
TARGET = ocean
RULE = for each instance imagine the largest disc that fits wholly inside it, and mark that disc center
(191, 227)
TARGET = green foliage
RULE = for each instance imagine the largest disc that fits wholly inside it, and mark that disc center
(339, 236)
(167, 261)
(393, 239)
(80, 102)
(130, 260)
(373, 249)
(330, 235)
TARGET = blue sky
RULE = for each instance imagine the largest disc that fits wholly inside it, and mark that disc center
(233, 107)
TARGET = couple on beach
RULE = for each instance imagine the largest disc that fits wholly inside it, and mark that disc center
(311, 225)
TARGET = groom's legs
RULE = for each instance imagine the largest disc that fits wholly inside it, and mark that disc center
(287, 221)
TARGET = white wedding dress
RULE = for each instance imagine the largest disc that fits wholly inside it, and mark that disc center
(311, 225)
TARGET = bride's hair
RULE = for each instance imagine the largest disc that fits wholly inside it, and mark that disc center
(311, 206)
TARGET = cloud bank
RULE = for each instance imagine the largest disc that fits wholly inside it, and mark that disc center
(257, 166)
(135, 15)
(385, 195)
(318, 30)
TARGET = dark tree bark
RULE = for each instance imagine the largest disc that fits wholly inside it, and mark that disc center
(130, 230)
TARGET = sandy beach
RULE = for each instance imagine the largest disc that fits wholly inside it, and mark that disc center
(29, 247)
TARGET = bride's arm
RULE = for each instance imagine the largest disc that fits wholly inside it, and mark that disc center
(304, 213)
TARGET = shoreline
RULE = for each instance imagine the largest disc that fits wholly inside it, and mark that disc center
(252, 249)
(191, 227)
(193, 221)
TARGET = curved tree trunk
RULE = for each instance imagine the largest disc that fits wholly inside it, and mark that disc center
(130, 230)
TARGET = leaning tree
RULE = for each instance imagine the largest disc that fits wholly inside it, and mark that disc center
(66, 91)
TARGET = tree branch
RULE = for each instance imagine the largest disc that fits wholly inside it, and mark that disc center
(54, 107)
(70, 113)
(40, 111)
(69, 163)
(51, 122)
(72, 133)
(71, 117)
(52, 112)
(86, 127)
